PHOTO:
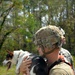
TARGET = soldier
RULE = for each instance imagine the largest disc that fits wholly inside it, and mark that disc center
(49, 42)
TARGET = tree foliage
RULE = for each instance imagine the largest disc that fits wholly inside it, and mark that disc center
(20, 19)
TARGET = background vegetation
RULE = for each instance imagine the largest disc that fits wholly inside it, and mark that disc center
(20, 19)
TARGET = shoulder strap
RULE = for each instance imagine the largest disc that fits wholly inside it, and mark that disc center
(55, 63)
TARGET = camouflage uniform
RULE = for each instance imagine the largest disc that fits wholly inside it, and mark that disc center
(47, 37)
(67, 55)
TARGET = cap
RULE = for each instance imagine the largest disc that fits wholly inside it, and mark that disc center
(48, 36)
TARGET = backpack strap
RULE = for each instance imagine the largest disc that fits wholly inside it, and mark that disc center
(55, 63)
(61, 59)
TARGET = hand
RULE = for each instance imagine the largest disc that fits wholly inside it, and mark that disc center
(24, 68)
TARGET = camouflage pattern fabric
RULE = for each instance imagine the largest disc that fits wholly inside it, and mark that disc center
(67, 55)
(47, 36)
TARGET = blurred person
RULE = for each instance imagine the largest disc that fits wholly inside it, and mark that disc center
(65, 52)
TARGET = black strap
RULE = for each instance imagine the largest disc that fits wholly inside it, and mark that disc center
(55, 63)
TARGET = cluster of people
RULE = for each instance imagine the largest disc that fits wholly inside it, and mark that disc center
(49, 41)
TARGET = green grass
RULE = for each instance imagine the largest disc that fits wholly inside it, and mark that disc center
(3, 71)
(74, 60)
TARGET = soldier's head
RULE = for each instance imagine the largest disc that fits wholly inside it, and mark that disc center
(48, 37)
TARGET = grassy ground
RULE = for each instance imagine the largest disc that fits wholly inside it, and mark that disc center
(3, 71)
(74, 60)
